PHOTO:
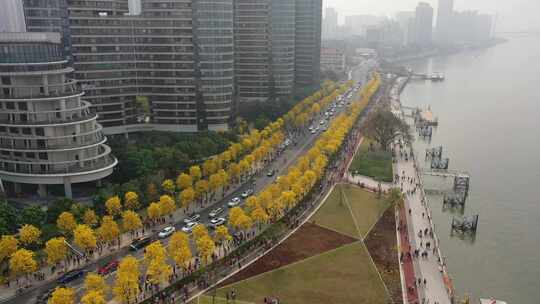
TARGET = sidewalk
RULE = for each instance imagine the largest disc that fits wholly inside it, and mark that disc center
(406, 264)
(429, 268)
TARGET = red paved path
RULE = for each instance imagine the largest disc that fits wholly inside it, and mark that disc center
(408, 268)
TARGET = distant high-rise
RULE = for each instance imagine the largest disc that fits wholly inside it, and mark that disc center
(423, 25)
(358, 24)
(472, 27)
(445, 16)
(484, 27)
(330, 23)
(308, 42)
(12, 16)
(404, 20)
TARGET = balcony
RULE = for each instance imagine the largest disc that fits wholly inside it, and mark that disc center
(25, 92)
(28, 118)
(48, 143)
(37, 168)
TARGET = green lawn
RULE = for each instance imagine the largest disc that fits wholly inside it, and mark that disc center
(344, 275)
(375, 164)
(336, 215)
(365, 206)
(347, 201)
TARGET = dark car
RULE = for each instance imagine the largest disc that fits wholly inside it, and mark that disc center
(70, 276)
(140, 243)
(108, 268)
(43, 297)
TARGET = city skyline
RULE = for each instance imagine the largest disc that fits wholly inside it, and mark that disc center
(516, 15)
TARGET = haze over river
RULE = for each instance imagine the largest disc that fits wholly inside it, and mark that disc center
(489, 125)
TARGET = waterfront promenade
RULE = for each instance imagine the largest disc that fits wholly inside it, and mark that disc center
(432, 280)
(428, 269)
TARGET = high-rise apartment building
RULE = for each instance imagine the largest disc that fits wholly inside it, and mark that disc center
(308, 42)
(264, 45)
(423, 26)
(48, 135)
(252, 49)
(180, 65)
(12, 16)
(282, 39)
(445, 16)
(330, 23)
(49, 16)
(214, 60)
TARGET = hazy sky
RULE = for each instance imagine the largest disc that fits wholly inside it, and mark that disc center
(512, 14)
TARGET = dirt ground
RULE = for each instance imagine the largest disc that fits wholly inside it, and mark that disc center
(382, 245)
(308, 241)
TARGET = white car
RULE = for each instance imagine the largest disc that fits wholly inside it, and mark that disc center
(189, 227)
(214, 223)
(234, 202)
(192, 218)
(166, 232)
(322, 122)
(247, 193)
(215, 212)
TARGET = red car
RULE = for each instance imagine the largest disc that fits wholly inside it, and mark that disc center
(110, 267)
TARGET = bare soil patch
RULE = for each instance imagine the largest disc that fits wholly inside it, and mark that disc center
(309, 240)
(382, 246)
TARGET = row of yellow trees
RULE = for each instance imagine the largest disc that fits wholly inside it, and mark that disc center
(279, 197)
(199, 182)
(271, 203)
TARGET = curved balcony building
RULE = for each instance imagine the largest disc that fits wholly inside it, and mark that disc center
(48, 134)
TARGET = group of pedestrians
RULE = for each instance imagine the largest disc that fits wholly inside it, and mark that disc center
(422, 244)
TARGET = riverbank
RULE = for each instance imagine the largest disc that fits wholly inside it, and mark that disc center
(488, 101)
(423, 248)
(444, 51)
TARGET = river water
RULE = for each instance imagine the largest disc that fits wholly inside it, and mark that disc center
(488, 110)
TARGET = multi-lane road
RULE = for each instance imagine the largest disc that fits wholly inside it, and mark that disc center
(299, 146)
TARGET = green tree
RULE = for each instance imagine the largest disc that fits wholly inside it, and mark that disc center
(384, 127)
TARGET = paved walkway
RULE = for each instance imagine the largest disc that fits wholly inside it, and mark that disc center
(408, 277)
(424, 245)
(368, 182)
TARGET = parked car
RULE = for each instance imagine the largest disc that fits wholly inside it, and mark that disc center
(70, 276)
(234, 202)
(189, 227)
(43, 297)
(214, 223)
(140, 243)
(166, 232)
(192, 218)
(108, 268)
(271, 173)
(215, 212)
(247, 193)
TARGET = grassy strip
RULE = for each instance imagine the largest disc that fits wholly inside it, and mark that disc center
(376, 164)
